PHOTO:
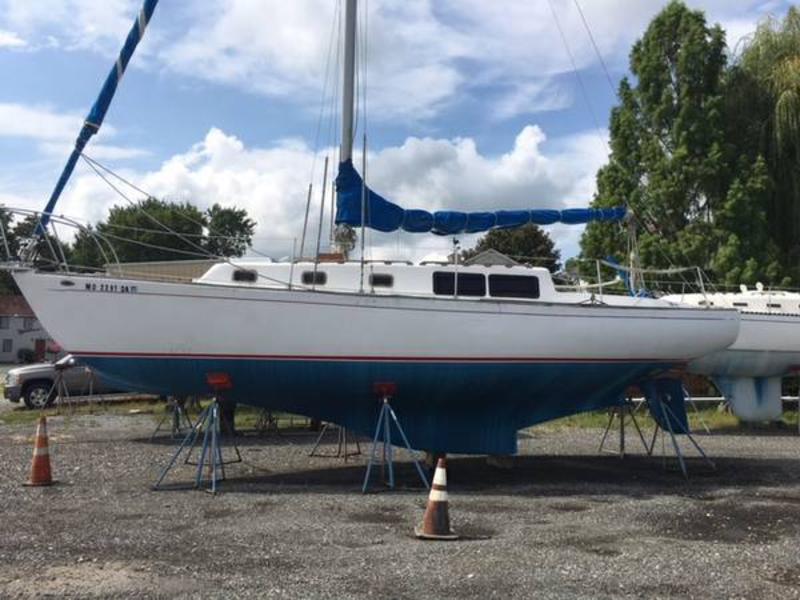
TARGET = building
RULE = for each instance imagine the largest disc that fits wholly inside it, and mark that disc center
(20, 331)
(491, 258)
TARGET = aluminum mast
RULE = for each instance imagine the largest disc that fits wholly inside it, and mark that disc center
(348, 87)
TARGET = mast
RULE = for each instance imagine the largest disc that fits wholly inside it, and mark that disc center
(348, 87)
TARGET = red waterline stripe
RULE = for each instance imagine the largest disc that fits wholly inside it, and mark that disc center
(317, 358)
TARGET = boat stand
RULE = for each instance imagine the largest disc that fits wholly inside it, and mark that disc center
(622, 412)
(383, 440)
(209, 426)
(267, 422)
(59, 388)
(668, 416)
(176, 412)
(341, 443)
(696, 410)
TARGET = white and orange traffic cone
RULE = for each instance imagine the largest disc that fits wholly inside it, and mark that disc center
(436, 522)
(40, 467)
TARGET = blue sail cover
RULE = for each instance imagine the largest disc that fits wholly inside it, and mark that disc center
(383, 215)
(97, 114)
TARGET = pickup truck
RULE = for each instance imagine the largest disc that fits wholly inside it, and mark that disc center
(35, 384)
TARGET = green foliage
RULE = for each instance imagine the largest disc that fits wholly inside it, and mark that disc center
(528, 244)
(764, 109)
(696, 153)
(156, 230)
(138, 231)
(230, 231)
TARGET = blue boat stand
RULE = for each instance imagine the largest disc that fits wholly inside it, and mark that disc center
(668, 417)
(383, 439)
(176, 412)
(209, 425)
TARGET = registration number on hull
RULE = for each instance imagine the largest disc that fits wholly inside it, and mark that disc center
(111, 288)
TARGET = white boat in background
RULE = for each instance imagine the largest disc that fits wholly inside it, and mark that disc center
(749, 372)
(475, 353)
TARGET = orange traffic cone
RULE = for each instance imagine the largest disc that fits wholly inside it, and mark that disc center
(40, 467)
(436, 522)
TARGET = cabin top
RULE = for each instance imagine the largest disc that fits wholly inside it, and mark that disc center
(391, 278)
(388, 278)
(746, 301)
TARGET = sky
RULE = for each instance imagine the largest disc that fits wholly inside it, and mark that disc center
(466, 104)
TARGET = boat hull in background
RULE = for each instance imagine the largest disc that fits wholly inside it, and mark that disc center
(469, 373)
(749, 373)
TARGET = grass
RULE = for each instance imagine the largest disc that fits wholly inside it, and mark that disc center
(248, 417)
(713, 418)
(21, 415)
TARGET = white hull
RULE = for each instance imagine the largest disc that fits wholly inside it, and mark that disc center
(468, 373)
(98, 315)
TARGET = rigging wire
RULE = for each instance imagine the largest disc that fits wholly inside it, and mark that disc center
(575, 70)
(97, 167)
(633, 245)
(204, 253)
(594, 45)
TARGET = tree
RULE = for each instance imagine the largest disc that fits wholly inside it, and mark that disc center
(529, 244)
(230, 231)
(673, 163)
(8, 252)
(763, 105)
(154, 229)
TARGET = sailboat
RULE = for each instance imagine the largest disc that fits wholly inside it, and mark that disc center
(472, 353)
(749, 373)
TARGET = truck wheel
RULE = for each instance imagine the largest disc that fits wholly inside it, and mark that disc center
(38, 395)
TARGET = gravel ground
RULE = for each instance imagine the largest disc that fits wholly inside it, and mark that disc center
(561, 522)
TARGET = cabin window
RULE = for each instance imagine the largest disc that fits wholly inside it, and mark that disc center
(743, 304)
(312, 278)
(513, 286)
(245, 275)
(469, 284)
(773, 305)
(381, 280)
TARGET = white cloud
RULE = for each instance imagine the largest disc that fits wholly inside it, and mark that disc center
(75, 24)
(738, 31)
(37, 122)
(271, 183)
(55, 132)
(423, 55)
(9, 39)
(530, 98)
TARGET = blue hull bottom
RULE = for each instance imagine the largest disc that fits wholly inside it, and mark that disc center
(470, 408)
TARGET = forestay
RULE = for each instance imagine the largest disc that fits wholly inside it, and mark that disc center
(97, 114)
